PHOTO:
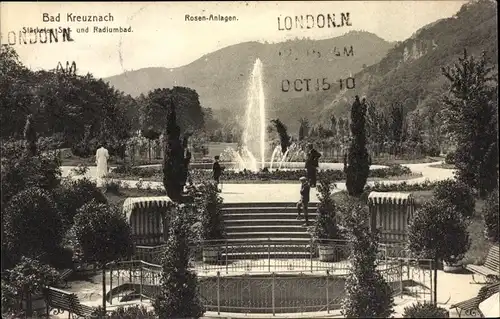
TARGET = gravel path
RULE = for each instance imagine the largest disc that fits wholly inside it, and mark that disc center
(234, 193)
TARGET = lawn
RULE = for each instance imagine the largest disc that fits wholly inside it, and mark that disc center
(389, 161)
(444, 166)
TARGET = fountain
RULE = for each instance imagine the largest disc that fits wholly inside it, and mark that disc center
(294, 153)
(251, 155)
(254, 134)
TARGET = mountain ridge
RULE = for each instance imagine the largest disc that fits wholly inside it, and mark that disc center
(221, 77)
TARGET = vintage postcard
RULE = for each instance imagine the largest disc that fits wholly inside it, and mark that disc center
(239, 159)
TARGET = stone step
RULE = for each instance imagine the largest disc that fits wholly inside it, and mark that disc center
(264, 209)
(266, 234)
(267, 240)
(277, 228)
(265, 216)
(266, 222)
(273, 249)
(265, 255)
(259, 205)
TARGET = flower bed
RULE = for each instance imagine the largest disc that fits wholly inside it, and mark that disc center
(155, 173)
(401, 187)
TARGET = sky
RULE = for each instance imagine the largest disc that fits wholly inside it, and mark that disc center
(161, 36)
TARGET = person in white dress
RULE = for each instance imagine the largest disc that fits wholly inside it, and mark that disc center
(101, 160)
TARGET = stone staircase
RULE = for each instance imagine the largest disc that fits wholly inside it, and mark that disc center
(266, 230)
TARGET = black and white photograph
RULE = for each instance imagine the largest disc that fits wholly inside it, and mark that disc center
(249, 159)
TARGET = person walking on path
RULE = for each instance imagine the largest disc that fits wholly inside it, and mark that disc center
(312, 163)
(217, 170)
(302, 205)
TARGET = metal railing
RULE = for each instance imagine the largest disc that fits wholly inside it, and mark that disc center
(271, 276)
(275, 292)
(259, 256)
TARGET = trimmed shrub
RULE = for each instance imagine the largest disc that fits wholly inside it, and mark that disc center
(208, 202)
(425, 310)
(73, 194)
(103, 233)
(491, 215)
(458, 195)
(438, 232)
(32, 223)
(325, 226)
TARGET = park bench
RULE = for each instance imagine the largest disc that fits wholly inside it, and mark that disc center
(471, 306)
(60, 300)
(491, 268)
(64, 275)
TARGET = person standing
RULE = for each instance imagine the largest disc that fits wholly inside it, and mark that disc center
(101, 160)
(312, 163)
(302, 205)
(216, 170)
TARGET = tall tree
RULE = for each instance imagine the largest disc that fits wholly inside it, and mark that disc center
(415, 126)
(367, 293)
(333, 125)
(358, 163)
(178, 297)
(173, 161)
(303, 129)
(285, 139)
(190, 115)
(471, 115)
(103, 235)
(396, 125)
(340, 128)
(30, 136)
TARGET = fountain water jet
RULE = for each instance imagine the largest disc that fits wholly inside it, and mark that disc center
(254, 134)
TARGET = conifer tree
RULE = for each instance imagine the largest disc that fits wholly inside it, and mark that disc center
(285, 139)
(358, 165)
(178, 297)
(173, 161)
(30, 136)
(368, 295)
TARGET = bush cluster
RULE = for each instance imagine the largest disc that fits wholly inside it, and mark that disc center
(458, 195)
(491, 215)
(73, 194)
(425, 310)
(142, 172)
(131, 312)
(400, 187)
(450, 158)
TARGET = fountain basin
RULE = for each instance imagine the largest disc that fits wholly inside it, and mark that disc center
(255, 293)
(268, 293)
